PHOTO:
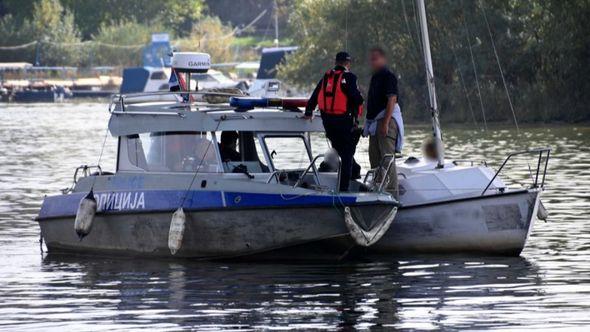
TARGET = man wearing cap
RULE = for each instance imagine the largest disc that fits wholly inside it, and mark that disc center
(340, 103)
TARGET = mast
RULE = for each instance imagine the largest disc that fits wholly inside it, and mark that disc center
(430, 81)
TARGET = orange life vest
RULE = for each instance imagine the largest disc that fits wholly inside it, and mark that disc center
(331, 99)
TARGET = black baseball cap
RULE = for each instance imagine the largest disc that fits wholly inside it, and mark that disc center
(343, 56)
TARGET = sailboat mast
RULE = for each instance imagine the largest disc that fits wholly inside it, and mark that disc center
(430, 81)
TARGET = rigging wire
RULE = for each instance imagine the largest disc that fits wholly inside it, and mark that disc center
(485, 17)
(407, 21)
(346, 27)
(483, 113)
(463, 85)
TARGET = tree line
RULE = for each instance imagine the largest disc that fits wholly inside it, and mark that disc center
(105, 32)
(542, 46)
(543, 49)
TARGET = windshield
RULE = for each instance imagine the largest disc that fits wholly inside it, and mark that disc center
(287, 153)
(173, 152)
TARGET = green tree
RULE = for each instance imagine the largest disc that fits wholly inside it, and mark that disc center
(51, 26)
(543, 48)
(54, 27)
(130, 36)
(177, 15)
(211, 36)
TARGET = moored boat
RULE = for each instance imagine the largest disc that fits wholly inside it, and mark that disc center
(235, 179)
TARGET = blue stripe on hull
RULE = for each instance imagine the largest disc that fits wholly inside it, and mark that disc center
(163, 200)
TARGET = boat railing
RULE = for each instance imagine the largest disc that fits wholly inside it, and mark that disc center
(392, 159)
(83, 171)
(122, 100)
(543, 154)
(316, 175)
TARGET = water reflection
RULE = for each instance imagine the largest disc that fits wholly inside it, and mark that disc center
(420, 292)
(548, 287)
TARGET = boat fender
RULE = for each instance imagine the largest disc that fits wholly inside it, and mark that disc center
(542, 213)
(367, 238)
(176, 233)
(85, 215)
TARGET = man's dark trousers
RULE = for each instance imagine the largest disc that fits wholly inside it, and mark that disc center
(339, 132)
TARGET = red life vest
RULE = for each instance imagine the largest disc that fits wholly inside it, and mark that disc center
(331, 99)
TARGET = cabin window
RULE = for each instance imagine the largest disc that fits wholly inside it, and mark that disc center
(174, 152)
(287, 152)
(241, 151)
(158, 75)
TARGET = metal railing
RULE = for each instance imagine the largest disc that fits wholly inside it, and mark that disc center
(316, 173)
(122, 100)
(392, 159)
(536, 184)
(86, 171)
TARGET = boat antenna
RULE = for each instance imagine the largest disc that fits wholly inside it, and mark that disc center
(436, 132)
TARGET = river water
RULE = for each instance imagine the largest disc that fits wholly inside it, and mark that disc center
(547, 287)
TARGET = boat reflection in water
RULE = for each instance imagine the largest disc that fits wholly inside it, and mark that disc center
(416, 292)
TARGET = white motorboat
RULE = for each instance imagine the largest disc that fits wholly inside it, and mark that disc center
(177, 192)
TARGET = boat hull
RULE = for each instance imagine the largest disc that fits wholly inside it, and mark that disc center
(208, 234)
(492, 225)
(495, 224)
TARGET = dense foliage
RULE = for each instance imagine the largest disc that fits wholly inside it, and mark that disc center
(91, 15)
(543, 47)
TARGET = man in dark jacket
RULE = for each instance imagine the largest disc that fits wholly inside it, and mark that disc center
(339, 100)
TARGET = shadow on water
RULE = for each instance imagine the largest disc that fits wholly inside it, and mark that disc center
(304, 295)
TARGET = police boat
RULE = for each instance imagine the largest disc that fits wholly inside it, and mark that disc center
(207, 181)
(179, 191)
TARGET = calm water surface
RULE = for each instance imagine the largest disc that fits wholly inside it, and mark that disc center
(547, 287)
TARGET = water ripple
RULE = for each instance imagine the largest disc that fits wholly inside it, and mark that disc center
(548, 287)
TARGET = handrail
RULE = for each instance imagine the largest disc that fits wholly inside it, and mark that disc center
(312, 163)
(85, 169)
(274, 174)
(393, 159)
(315, 172)
(122, 98)
(541, 152)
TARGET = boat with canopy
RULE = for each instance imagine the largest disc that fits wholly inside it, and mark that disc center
(243, 178)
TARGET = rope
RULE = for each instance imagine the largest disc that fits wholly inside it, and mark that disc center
(483, 113)
(84, 43)
(198, 167)
(485, 17)
(414, 43)
(17, 47)
(463, 85)
(104, 142)
(346, 27)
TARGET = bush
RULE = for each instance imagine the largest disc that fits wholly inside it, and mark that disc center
(211, 36)
(131, 38)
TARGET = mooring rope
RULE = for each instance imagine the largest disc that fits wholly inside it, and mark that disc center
(198, 167)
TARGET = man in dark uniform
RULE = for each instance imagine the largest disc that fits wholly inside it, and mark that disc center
(339, 100)
(384, 122)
